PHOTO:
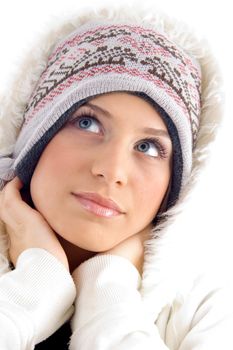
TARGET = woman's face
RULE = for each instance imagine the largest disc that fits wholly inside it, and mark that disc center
(104, 149)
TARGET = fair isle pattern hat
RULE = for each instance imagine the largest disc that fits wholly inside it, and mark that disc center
(103, 56)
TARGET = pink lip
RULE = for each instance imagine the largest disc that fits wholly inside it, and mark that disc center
(98, 204)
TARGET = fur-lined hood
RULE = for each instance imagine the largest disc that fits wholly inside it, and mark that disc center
(171, 261)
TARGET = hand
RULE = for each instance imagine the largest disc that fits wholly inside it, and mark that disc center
(132, 248)
(25, 226)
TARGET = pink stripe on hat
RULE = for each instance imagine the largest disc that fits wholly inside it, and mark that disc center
(101, 56)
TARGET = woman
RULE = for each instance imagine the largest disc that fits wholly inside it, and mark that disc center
(108, 129)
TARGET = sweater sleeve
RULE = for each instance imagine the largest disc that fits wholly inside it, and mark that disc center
(109, 311)
(35, 300)
(211, 306)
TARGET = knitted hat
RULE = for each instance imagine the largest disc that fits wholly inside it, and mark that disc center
(103, 56)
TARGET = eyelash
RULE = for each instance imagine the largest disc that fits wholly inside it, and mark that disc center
(156, 142)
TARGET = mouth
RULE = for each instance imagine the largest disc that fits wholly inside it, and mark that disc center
(98, 205)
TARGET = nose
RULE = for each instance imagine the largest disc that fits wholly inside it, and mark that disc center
(110, 163)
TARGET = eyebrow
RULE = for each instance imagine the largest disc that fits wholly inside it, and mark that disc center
(99, 109)
(149, 131)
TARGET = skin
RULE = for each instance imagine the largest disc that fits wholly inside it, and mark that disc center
(115, 160)
(109, 157)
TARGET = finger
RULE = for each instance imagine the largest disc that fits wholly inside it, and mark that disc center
(16, 183)
(11, 202)
(13, 188)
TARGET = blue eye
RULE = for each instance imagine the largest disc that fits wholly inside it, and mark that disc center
(87, 123)
(152, 147)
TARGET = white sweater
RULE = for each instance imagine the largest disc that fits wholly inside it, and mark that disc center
(109, 305)
(108, 313)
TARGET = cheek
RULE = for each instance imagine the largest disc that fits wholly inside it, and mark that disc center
(54, 167)
(46, 180)
(44, 175)
(41, 184)
(152, 189)
(55, 177)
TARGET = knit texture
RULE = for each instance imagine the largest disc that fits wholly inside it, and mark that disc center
(102, 56)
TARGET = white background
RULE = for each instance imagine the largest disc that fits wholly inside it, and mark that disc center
(21, 20)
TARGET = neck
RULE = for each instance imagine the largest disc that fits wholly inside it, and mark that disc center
(75, 254)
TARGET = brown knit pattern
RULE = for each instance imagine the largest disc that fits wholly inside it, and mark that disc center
(126, 50)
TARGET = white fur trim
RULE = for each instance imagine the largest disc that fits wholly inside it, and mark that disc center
(166, 262)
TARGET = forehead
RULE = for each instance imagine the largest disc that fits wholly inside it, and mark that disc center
(126, 105)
